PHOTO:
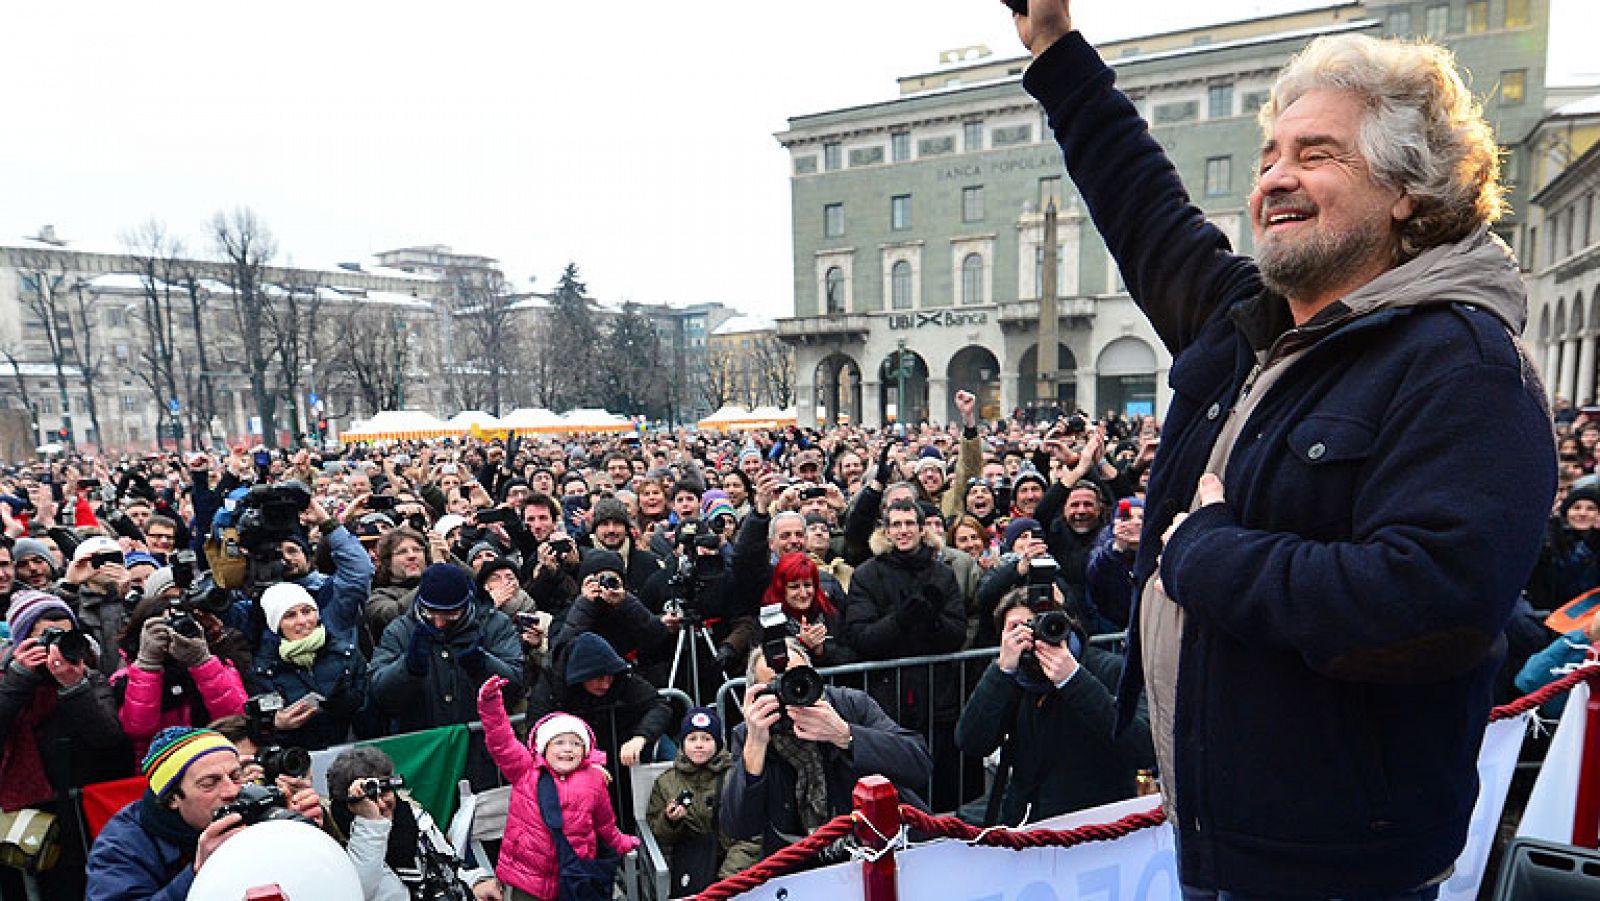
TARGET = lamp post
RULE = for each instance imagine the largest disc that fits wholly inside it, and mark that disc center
(902, 371)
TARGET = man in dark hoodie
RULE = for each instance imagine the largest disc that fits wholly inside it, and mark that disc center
(1309, 549)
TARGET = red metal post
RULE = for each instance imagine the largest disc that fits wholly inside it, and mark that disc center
(879, 804)
(1586, 814)
(265, 893)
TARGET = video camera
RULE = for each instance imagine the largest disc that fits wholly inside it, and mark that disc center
(269, 515)
(798, 686)
(258, 804)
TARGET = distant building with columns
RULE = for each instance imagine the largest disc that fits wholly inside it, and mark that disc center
(918, 221)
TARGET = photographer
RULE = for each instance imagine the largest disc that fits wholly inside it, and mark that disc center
(182, 666)
(342, 596)
(398, 851)
(696, 587)
(153, 848)
(605, 607)
(1022, 543)
(321, 678)
(94, 585)
(788, 780)
(58, 727)
(1050, 705)
(612, 530)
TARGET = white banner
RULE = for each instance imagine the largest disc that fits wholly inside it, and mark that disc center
(1137, 867)
(1554, 800)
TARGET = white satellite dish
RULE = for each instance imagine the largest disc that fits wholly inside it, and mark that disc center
(300, 859)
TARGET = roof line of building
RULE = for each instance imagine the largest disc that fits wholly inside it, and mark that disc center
(797, 122)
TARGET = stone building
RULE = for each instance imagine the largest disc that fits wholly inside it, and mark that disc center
(918, 221)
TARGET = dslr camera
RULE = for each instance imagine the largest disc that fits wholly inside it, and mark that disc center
(258, 804)
(793, 686)
(204, 596)
(73, 645)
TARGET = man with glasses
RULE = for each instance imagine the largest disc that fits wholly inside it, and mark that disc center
(905, 603)
(160, 537)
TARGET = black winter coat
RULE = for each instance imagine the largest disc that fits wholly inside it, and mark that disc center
(446, 693)
(339, 674)
(907, 605)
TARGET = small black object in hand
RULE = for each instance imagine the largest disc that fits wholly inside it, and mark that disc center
(1020, 7)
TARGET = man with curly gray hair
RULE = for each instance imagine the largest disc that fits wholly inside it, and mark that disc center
(1319, 605)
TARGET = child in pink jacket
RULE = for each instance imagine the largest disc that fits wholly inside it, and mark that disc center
(561, 744)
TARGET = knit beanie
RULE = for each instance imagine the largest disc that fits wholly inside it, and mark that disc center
(159, 581)
(701, 719)
(1589, 493)
(1028, 475)
(28, 606)
(609, 509)
(174, 750)
(277, 600)
(715, 503)
(560, 724)
(445, 586)
(140, 558)
(930, 452)
(94, 544)
(600, 561)
(482, 547)
(1016, 528)
(32, 547)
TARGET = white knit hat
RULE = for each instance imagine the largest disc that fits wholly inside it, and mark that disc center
(560, 724)
(277, 601)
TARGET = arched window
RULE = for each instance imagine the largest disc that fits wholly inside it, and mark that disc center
(972, 279)
(900, 285)
(834, 286)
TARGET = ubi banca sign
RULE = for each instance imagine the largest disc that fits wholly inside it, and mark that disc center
(944, 318)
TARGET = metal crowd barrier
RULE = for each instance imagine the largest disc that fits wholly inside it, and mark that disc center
(968, 667)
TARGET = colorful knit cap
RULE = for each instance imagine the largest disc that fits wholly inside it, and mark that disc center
(173, 750)
(28, 606)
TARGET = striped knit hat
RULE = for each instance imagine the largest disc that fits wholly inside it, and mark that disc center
(29, 605)
(173, 750)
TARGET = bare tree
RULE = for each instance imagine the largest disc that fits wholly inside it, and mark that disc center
(198, 387)
(156, 257)
(716, 381)
(88, 358)
(296, 339)
(245, 246)
(44, 284)
(374, 355)
(772, 362)
(22, 390)
(489, 337)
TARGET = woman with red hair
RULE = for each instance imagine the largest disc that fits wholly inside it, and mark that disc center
(813, 619)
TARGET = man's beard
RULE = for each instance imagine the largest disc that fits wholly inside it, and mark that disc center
(1313, 265)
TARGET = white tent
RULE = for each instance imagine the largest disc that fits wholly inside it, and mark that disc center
(727, 417)
(532, 419)
(399, 425)
(734, 418)
(593, 419)
(467, 420)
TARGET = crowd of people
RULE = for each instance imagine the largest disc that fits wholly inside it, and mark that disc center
(413, 586)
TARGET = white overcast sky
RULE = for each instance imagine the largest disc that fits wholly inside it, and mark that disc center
(634, 138)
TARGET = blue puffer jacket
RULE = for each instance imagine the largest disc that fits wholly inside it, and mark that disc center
(339, 674)
(1344, 607)
(129, 864)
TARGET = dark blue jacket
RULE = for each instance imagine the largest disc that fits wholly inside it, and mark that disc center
(339, 674)
(129, 864)
(1344, 607)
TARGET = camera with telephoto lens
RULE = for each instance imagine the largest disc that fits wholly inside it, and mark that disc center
(793, 686)
(73, 645)
(269, 515)
(372, 789)
(258, 804)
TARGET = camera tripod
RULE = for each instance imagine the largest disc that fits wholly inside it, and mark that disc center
(691, 633)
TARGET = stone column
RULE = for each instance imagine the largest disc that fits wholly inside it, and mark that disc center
(1010, 393)
(1569, 369)
(871, 404)
(1583, 393)
(1552, 367)
(938, 401)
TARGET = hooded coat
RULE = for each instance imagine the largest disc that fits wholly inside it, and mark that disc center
(528, 858)
(1342, 609)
